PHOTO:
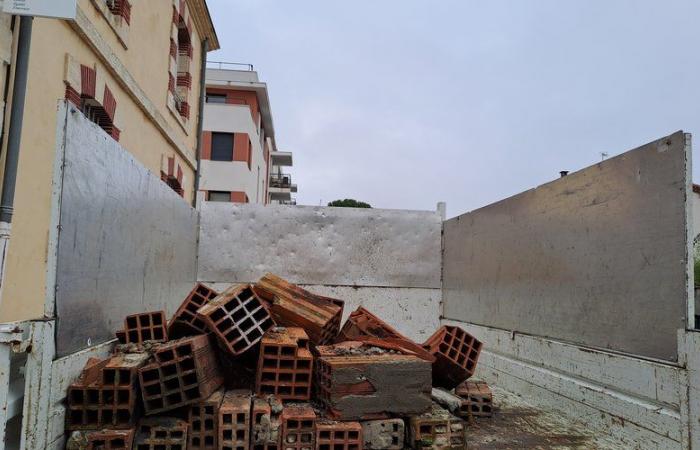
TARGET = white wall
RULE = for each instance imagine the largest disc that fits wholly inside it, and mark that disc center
(234, 175)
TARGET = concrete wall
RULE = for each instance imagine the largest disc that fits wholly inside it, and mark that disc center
(386, 260)
(136, 72)
(235, 176)
(598, 258)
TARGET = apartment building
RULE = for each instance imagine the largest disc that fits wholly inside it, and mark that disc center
(240, 161)
(133, 68)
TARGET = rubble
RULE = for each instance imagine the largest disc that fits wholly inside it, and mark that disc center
(224, 371)
(371, 384)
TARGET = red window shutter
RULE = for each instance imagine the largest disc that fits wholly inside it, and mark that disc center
(88, 80)
(240, 147)
(109, 104)
(206, 145)
(171, 166)
(73, 96)
(238, 197)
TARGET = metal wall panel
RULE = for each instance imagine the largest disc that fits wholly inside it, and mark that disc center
(320, 245)
(127, 242)
(599, 257)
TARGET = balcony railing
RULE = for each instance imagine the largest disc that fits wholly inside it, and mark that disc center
(280, 180)
(229, 65)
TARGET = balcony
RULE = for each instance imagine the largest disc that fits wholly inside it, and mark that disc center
(281, 159)
(282, 181)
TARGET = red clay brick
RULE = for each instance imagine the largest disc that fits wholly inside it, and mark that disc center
(331, 435)
(298, 428)
(285, 364)
(185, 321)
(386, 382)
(234, 420)
(184, 372)
(238, 318)
(292, 306)
(142, 327)
(266, 423)
(161, 433)
(456, 355)
(110, 440)
(203, 420)
(106, 394)
(361, 324)
(438, 430)
(478, 399)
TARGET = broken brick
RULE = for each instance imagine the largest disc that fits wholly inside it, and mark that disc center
(203, 420)
(332, 435)
(234, 420)
(437, 430)
(456, 354)
(110, 440)
(360, 382)
(298, 427)
(161, 433)
(285, 364)
(477, 399)
(238, 318)
(266, 423)
(185, 321)
(292, 306)
(142, 327)
(185, 371)
(388, 434)
(361, 324)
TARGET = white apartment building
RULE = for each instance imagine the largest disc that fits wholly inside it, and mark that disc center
(239, 161)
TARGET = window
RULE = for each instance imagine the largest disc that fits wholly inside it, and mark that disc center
(120, 8)
(222, 146)
(216, 98)
(219, 196)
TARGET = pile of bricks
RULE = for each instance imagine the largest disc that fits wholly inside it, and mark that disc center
(267, 366)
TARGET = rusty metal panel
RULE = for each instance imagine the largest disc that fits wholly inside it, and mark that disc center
(127, 242)
(598, 258)
(320, 245)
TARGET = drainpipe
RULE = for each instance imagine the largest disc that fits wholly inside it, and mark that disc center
(200, 124)
(14, 136)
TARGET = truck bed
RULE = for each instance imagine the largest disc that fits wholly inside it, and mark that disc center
(518, 425)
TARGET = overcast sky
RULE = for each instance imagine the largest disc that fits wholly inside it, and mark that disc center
(404, 103)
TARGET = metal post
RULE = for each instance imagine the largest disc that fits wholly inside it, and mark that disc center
(200, 124)
(14, 137)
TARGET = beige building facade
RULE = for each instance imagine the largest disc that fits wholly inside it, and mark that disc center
(134, 69)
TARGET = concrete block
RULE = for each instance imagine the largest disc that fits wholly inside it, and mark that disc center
(386, 434)
(456, 354)
(356, 381)
(292, 306)
(285, 364)
(238, 318)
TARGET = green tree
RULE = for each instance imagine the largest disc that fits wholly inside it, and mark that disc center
(349, 203)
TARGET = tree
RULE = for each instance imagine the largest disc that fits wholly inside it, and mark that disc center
(349, 203)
